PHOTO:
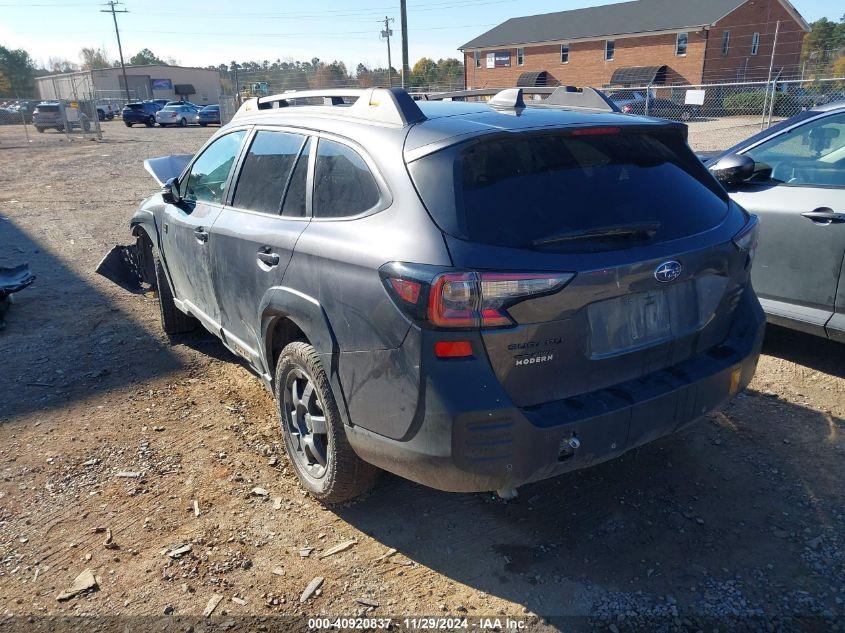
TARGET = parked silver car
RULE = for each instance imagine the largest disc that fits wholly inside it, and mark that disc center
(793, 177)
(180, 115)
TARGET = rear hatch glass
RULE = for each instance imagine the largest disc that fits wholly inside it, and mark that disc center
(47, 109)
(586, 189)
(135, 106)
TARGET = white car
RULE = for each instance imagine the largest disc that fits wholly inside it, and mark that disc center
(180, 115)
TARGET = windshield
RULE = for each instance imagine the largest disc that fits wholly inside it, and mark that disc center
(515, 192)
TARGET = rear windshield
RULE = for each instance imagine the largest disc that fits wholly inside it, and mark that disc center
(171, 108)
(47, 108)
(135, 106)
(514, 191)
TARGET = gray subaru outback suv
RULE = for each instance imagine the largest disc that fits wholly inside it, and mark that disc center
(471, 295)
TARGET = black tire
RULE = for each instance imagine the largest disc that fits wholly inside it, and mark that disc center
(40, 130)
(173, 320)
(203, 124)
(128, 123)
(100, 115)
(344, 475)
(150, 122)
(183, 122)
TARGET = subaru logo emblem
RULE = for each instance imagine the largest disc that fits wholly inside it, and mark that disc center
(668, 271)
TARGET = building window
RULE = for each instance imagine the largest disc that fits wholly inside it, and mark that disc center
(755, 43)
(564, 53)
(726, 43)
(681, 45)
(520, 57)
(477, 57)
(609, 49)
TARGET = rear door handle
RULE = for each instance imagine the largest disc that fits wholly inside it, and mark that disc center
(270, 259)
(201, 234)
(825, 215)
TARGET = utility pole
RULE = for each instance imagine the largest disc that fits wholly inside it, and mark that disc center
(386, 33)
(769, 78)
(237, 86)
(406, 70)
(111, 4)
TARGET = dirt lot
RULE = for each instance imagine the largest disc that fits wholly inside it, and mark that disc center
(108, 436)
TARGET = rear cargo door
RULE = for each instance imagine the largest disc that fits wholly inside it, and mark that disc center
(637, 219)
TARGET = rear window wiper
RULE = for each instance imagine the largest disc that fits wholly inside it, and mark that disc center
(612, 231)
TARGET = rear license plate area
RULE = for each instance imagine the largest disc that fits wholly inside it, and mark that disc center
(640, 320)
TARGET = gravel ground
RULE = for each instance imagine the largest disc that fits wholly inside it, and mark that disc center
(159, 468)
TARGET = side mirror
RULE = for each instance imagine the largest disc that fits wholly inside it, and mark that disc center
(733, 169)
(170, 193)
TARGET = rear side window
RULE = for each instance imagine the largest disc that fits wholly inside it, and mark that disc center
(266, 170)
(518, 190)
(343, 184)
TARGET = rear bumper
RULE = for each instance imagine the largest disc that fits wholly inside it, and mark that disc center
(462, 446)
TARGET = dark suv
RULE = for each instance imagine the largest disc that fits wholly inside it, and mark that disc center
(473, 296)
(140, 112)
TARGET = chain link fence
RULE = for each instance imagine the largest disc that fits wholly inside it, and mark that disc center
(720, 115)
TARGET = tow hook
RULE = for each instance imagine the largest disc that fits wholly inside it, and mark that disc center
(568, 446)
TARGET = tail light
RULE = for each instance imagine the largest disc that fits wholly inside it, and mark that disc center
(466, 299)
(746, 239)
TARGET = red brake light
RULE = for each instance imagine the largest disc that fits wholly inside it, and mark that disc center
(466, 299)
(406, 289)
(452, 349)
(599, 131)
(481, 299)
(453, 300)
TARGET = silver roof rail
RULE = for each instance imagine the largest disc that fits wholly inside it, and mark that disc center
(391, 106)
(560, 97)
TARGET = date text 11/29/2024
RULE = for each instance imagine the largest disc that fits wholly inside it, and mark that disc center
(418, 623)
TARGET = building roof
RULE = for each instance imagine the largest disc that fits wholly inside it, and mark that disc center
(624, 18)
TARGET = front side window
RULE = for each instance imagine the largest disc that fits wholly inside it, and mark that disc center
(266, 170)
(210, 171)
(755, 43)
(681, 45)
(564, 53)
(343, 184)
(726, 43)
(609, 49)
(812, 154)
(520, 56)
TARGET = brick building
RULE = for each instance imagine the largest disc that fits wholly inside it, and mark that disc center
(640, 42)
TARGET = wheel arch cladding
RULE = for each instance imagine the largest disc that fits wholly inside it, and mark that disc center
(289, 313)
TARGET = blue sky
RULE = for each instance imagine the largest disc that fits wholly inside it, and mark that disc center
(203, 32)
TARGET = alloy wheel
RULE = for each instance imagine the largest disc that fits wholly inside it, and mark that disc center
(304, 424)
